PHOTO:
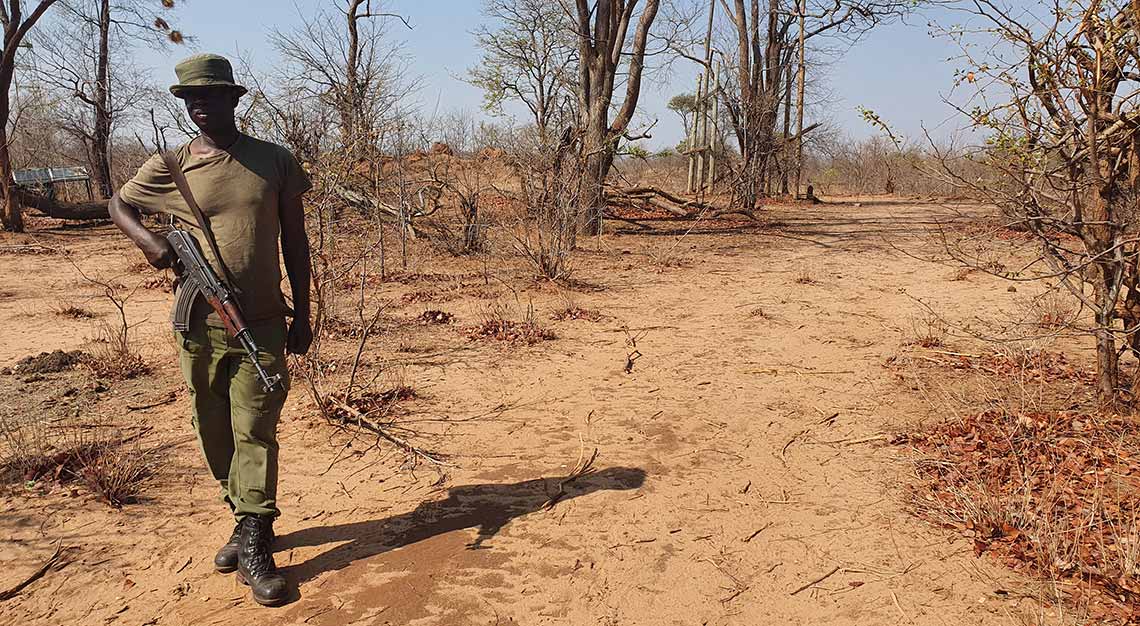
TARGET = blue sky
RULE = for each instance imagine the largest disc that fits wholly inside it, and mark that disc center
(899, 70)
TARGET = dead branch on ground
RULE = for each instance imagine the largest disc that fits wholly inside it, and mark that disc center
(11, 592)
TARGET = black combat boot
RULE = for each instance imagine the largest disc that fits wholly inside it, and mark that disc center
(226, 560)
(255, 561)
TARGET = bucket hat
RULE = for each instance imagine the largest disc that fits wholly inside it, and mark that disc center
(204, 70)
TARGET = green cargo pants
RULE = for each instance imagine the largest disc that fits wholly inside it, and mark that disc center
(235, 418)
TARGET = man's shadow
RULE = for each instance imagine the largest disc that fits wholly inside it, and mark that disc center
(485, 507)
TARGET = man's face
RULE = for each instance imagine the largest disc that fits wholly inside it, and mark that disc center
(211, 108)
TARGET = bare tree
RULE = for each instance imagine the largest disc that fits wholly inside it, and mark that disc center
(83, 53)
(764, 53)
(347, 68)
(526, 57)
(16, 26)
(602, 29)
(1058, 101)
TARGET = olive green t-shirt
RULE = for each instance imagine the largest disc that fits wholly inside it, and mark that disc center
(240, 191)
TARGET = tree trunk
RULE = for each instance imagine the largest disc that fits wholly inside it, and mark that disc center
(593, 190)
(101, 137)
(1106, 360)
(600, 51)
(349, 104)
(16, 26)
(785, 148)
(11, 211)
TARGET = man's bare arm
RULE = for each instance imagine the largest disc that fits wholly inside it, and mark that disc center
(295, 248)
(157, 250)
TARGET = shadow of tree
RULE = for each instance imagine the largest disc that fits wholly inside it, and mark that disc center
(487, 507)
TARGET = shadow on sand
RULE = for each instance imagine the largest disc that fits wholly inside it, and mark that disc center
(485, 507)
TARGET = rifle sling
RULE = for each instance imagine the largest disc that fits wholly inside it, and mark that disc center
(184, 188)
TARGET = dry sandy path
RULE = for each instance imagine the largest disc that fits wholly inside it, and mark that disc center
(723, 482)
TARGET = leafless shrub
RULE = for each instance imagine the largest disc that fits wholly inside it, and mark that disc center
(550, 187)
(804, 276)
(929, 330)
(1053, 310)
(114, 356)
(1059, 139)
(461, 182)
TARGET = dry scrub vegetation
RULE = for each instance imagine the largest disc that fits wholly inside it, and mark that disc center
(432, 239)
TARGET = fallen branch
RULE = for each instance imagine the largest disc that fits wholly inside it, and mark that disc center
(8, 594)
(668, 202)
(383, 209)
(170, 397)
(363, 422)
(817, 580)
(757, 532)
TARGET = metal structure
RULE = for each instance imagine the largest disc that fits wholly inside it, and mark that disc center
(44, 179)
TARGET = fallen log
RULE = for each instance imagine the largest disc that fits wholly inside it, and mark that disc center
(367, 203)
(62, 210)
(671, 203)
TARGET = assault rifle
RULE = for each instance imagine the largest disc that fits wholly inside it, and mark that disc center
(197, 277)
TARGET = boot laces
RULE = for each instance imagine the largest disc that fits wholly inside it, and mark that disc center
(260, 555)
(235, 537)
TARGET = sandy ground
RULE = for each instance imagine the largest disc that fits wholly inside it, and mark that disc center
(727, 474)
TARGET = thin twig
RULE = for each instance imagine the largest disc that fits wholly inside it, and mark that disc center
(170, 397)
(36, 575)
(757, 532)
(817, 580)
(581, 468)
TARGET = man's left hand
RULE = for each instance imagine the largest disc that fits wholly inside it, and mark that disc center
(300, 336)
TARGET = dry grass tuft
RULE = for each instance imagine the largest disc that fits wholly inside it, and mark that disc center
(929, 331)
(804, 277)
(1052, 494)
(117, 473)
(96, 456)
(73, 311)
(114, 357)
(497, 325)
(1054, 310)
(433, 316)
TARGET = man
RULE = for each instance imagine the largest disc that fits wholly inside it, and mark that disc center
(250, 191)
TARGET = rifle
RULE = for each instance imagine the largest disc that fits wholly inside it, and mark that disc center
(197, 277)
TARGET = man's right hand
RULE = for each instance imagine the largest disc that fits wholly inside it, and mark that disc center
(158, 252)
(156, 248)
